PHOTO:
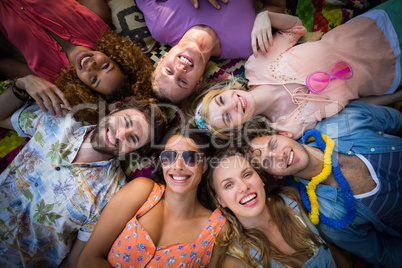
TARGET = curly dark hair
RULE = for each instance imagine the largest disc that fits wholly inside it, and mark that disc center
(134, 64)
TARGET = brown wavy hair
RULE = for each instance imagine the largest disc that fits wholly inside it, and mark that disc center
(135, 66)
(237, 239)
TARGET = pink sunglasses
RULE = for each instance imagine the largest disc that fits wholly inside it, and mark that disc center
(318, 81)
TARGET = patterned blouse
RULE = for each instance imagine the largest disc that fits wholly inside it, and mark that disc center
(135, 248)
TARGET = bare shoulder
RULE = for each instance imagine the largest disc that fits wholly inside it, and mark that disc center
(232, 262)
(224, 230)
(140, 182)
(137, 191)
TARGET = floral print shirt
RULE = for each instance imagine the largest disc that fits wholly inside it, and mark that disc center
(46, 200)
(135, 248)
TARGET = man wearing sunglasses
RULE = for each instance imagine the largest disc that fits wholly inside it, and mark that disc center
(368, 147)
(55, 189)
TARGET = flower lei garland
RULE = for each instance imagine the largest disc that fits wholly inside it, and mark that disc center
(308, 195)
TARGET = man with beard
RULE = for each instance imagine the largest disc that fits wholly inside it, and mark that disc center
(359, 193)
(53, 192)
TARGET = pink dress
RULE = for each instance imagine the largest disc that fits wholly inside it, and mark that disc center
(135, 248)
(26, 24)
(286, 67)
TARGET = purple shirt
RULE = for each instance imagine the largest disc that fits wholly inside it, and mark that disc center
(233, 23)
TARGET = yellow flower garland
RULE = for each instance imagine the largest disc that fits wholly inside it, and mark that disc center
(326, 171)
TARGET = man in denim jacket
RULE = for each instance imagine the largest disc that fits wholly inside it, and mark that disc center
(369, 150)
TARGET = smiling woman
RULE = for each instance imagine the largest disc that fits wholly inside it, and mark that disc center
(118, 58)
(188, 229)
(52, 35)
(268, 228)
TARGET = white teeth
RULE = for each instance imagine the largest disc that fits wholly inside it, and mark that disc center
(242, 103)
(248, 199)
(176, 178)
(109, 136)
(290, 158)
(83, 60)
(186, 60)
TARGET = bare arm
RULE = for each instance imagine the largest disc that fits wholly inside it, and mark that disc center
(120, 210)
(9, 103)
(277, 6)
(12, 68)
(261, 35)
(72, 258)
(48, 97)
(99, 7)
(232, 262)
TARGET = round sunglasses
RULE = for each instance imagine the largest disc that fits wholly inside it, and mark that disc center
(189, 157)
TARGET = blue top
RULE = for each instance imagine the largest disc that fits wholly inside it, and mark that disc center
(362, 128)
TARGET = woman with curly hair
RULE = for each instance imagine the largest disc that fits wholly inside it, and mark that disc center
(53, 35)
(133, 63)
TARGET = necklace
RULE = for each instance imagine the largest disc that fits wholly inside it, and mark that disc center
(307, 193)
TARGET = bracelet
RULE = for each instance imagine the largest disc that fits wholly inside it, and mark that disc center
(20, 93)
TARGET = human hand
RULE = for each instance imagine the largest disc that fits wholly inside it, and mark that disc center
(261, 35)
(213, 2)
(48, 97)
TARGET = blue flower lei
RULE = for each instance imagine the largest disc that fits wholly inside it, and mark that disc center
(336, 170)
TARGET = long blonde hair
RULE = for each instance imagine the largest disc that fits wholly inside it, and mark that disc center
(238, 239)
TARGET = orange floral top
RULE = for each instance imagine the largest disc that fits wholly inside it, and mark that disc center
(135, 248)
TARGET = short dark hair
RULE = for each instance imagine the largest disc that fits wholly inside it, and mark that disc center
(155, 116)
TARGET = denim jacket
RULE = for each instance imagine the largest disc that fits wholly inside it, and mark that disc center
(361, 128)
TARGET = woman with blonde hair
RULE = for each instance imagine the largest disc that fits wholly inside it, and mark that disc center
(296, 86)
(267, 228)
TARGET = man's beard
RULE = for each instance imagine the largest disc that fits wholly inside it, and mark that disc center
(100, 145)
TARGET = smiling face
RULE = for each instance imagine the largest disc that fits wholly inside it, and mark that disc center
(178, 176)
(96, 70)
(179, 72)
(279, 155)
(239, 188)
(121, 132)
(230, 109)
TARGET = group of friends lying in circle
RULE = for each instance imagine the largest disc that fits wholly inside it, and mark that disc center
(286, 170)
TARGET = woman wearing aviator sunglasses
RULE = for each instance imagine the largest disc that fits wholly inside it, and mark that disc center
(294, 87)
(160, 224)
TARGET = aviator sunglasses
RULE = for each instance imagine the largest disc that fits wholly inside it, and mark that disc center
(190, 158)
